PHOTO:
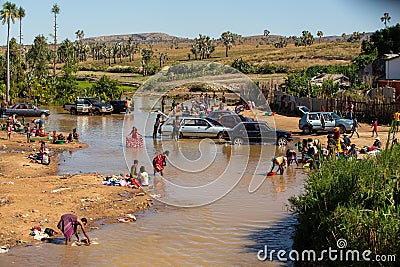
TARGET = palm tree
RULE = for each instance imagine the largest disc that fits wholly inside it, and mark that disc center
(320, 34)
(8, 14)
(228, 39)
(55, 10)
(21, 15)
(385, 18)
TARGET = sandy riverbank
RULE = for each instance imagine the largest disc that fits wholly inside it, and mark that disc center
(33, 195)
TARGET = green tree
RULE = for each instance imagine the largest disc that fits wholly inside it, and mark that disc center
(21, 15)
(55, 10)
(228, 40)
(386, 18)
(67, 87)
(307, 38)
(147, 54)
(386, 40)
(355, 37)
(320, 34)
(107, 88)
(38, 57)
(281, 43)
(204, 46)
(266, 33)
(8, 15)
(298, 84)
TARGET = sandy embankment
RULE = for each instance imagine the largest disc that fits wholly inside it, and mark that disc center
(32, 194)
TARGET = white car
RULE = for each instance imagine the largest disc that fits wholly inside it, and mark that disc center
(194, 127)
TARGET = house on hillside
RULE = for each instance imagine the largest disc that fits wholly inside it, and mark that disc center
(371, 73)
(343, 81)
(392, 73)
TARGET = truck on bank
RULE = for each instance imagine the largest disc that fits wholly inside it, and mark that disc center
(89, 106)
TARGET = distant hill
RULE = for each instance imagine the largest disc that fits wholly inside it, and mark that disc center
(156, 37)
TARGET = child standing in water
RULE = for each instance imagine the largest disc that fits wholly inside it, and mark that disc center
(143, 176)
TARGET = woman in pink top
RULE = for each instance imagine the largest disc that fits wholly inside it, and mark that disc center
(375, 127)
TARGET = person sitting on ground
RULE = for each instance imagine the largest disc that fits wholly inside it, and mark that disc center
(280, 162)
(346, 140)
(70, 138)
(352, 151)
(54, 136)
(60, 137)
(143, 176)
(40, 132)
(46, 157)
(68, 224)
(75, 134)
(331, 146)
(291, 156)
(377, 143)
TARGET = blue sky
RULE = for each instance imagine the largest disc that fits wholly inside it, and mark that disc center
(212, 17)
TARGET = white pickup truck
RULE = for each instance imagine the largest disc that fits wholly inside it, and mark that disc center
(88, 105)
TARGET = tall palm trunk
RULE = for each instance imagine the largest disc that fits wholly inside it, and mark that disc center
(8, 61)
(20, 36)
(55, 45)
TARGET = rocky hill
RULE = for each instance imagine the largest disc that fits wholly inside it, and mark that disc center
(156, 37)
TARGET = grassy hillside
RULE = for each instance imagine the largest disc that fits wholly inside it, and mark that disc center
(295, 58)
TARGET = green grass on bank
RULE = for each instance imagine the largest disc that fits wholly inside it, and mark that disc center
(358, 201)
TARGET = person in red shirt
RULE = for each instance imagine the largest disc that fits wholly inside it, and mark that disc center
(159, 162)
(9, 131)
(375, 128)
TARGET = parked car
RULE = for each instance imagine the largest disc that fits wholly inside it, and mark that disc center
(312, 122)
(216, 114)
(88, 105)
(119, 106)
(27, 110)
(193, 127)
(301, 110)
(257, 132)
(232, 120)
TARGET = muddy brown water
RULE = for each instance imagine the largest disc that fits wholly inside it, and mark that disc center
(227, 232)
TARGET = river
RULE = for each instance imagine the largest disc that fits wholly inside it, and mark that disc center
(229, 231)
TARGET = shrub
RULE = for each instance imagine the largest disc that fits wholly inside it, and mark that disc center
(355, 200)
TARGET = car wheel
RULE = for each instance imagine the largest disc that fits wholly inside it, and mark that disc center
(306, 130)
(342, 129)
(282, 141)
(43, 114)
(220, 136)
(73, 111)
(180, 135)
(96, 112)
(238, 141)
